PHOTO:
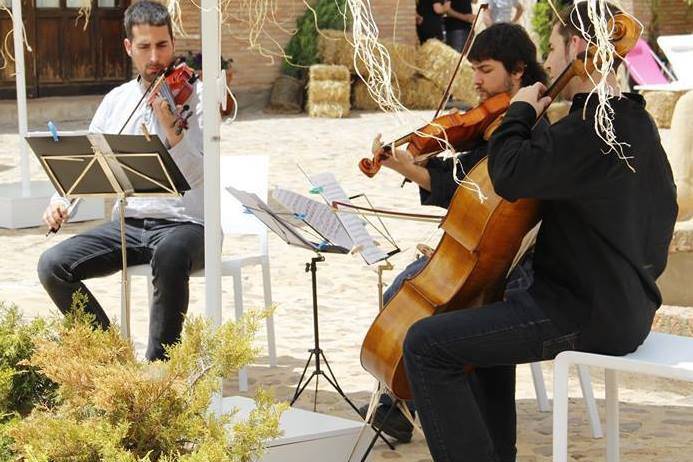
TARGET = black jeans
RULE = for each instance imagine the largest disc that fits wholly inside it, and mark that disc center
(174, 250)
(470, 416)
(455, 38)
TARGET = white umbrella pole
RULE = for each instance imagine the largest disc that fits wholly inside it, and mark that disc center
(21, 94)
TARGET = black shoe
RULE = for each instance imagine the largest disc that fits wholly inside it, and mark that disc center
(397, 425)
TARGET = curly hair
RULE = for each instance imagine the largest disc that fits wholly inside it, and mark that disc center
(509, 44)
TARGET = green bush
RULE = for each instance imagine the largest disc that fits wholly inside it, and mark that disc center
(302, 49)
(542, 22)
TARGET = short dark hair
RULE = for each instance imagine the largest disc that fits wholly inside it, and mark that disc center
(579, 10)
(147, 12)
(509, 44)
(571, 21)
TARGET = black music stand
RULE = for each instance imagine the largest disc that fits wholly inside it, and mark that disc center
(292, 235)
(115, 166)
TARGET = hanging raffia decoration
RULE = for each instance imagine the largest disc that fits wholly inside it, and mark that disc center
(597, 21)
(5, 51)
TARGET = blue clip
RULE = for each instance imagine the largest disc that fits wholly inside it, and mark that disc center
(323, 245)
(247, 210)
(54, 131)
(316, 190)
(300, 216)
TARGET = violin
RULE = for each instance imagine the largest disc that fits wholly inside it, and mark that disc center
(480, 241)
(175, 84)
(450, 129)
(461, 130)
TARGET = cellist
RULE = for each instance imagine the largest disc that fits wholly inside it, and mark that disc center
(503, 58)
(607, 221)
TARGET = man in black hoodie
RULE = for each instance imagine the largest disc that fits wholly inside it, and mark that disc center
(606, 227)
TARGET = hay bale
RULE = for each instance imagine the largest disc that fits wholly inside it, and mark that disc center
(287, 96)
(328, 72)
(329, 91)
(420, 93)
(361, 98)
(437, 61)
(660, 104)
(334, 47)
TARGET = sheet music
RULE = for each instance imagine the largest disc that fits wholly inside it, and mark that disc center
(318, 215)
(265, 215)
(332, 191)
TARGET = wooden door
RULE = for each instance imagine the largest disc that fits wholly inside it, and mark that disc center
(72, 55)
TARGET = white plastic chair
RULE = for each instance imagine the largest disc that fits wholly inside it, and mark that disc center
(248, 173)
(587, 395)
(661, 355)
(679, 51)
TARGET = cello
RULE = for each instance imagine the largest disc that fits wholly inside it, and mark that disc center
(480, 241)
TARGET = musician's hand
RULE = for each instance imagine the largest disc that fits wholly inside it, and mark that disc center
(533, 95)
(167, 119)
(55, 215)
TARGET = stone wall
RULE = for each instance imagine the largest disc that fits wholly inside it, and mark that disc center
(252, 70)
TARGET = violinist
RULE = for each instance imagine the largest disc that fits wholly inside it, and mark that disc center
(504, 60)
(164, 232)
(602, 243)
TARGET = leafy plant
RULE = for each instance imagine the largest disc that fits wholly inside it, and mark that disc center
(113, 407)
(542, 22)
(302, 49)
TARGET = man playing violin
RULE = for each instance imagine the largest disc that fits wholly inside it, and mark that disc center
(602, 243)
(504, 60)
(167, 233)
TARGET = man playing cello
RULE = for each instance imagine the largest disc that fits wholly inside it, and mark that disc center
(607, 221)
(504, 60)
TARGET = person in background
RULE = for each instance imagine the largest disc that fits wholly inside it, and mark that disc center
(502, 11)
(429, 19)
(458, 22)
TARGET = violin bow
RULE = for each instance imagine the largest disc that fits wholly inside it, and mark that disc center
(338, 206)
(465, 50)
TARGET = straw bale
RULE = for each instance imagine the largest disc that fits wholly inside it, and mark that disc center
(660, 104)
(331, 110)
(420, 93)
(437, 61)
(361, 98)
(328, 98)
(334, 47)
(336, 72)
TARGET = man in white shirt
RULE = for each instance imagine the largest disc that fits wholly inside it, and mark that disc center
(168, 233)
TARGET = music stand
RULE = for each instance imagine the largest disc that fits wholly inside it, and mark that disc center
(114, 166)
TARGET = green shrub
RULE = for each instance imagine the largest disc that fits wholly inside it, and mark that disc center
(302, 49)
(542, 22)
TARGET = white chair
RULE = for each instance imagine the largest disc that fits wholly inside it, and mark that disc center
(247, 173)
(661, 355)
(587, 395)
(679, 51)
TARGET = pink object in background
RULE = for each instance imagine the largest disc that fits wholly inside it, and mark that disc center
(644, 66)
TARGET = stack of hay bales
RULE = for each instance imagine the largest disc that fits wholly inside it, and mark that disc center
(329, 91)
(420, 75)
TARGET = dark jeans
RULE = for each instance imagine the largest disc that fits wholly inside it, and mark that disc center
(174, 250)
(455, 38)
(470, 415)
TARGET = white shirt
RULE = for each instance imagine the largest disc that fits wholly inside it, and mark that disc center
(502, 10)
(187, 154)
